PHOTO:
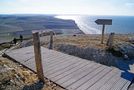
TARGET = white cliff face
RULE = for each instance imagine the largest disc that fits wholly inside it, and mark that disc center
(81, 23)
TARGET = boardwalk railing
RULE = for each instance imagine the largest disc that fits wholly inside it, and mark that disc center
(37, 52)
(110, 40)
(51, 40)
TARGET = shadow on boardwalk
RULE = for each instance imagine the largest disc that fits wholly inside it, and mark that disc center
(128, 73)
(36, 86)
(124, 65)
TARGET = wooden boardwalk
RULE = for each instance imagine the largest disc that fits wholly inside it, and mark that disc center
(74, 73)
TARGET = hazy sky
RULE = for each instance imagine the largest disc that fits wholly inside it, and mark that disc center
(95, 7)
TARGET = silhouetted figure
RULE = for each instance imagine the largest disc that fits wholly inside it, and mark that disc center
(14, 40)
(21, 38)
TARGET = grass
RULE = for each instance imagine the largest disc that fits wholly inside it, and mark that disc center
(93, 54)
(88, 47)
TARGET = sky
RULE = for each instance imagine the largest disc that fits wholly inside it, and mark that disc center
(85, 7)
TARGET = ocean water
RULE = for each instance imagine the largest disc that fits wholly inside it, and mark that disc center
(120, 24)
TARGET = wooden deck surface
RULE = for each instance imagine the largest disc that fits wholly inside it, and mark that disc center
(74, 73)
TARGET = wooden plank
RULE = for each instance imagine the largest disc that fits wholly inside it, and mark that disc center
(52, 59)
(55, 59)
(65, 70)
(66, 78)
(19, 57)
(68, 60)
(81, 75)
(52, 56)
(59, 68)
(96, 78)
(126, 77)
(54, 64)
(86, 78)
(62, 66)
(125, 87)
(111, 82)
(63, 63)
(68, 72)
(59, 60)
(119, 85)
(22, 50)
(31, 66)
(104, 80)
(47, 65)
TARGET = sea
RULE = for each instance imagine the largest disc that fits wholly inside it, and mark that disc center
(120, 24)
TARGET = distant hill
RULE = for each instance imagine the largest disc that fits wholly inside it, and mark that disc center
(9, 28)
(19, 23)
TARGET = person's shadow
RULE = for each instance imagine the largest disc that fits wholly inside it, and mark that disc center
(36, 86)
(125, 67)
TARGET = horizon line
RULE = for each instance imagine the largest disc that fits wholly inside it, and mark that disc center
(60, 14)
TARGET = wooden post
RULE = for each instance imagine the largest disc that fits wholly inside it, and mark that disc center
(110, 40)
(51, 40)
(37, 52)
(103, 22)
(102, 37)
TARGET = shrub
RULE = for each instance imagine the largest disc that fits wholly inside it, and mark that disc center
(93, 54)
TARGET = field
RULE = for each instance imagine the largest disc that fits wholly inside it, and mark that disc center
(13, 25)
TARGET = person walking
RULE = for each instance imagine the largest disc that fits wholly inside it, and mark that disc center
(14, 40)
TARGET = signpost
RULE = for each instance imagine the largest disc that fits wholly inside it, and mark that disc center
(103, 22)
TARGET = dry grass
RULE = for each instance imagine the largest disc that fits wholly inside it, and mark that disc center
(84, 40)
(14, 76)
(93, 54)
(86, 46)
